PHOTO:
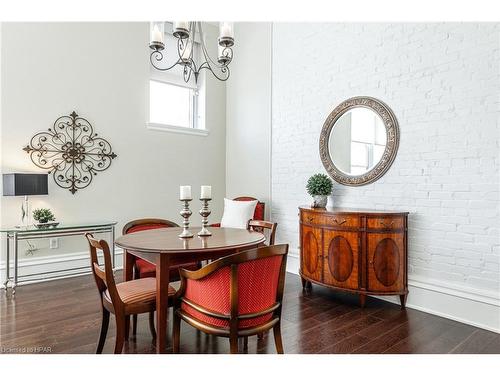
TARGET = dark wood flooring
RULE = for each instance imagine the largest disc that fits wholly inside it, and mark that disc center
(63, 316)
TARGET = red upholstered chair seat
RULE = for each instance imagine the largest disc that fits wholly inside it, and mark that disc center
(257, 288)
(147, 269)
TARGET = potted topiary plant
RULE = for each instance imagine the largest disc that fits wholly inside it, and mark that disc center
(319, 186)
(43, 215)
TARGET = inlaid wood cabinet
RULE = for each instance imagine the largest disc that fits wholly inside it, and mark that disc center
(359, 251)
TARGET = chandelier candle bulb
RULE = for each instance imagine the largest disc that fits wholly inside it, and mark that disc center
(157, 35)
(186, 53)
(226, 30)
(185, 192)
(181, 29)
(206, 192)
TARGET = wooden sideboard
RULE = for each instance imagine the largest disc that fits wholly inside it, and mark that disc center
(354, 250)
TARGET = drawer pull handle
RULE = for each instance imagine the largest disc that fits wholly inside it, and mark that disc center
(311, 219)
(342, 222)
(387, 226)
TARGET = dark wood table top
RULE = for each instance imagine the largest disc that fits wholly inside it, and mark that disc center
(166, 240)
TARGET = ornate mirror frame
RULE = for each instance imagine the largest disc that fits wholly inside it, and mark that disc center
(391, 147)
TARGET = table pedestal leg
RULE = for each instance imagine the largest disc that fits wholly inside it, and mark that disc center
(162, 280)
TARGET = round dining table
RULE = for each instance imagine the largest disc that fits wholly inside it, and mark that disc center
(164, 248)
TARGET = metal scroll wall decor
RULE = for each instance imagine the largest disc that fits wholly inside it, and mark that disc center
(71, 151)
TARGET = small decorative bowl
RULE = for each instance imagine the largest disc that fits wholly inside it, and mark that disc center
(50, 224)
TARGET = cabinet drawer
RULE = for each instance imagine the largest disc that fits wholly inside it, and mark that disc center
(330, 220)
(341, 221)
(386, 222)
(311, 218)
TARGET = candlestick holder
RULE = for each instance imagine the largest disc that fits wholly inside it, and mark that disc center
(204, 212)
(185, 213)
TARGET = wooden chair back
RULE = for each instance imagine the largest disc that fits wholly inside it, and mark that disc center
(261, 225)
(147, 223)
(233, 261)
(103, 276)
(259, 208)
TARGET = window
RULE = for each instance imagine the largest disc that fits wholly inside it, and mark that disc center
(175, 105)
(172, 105)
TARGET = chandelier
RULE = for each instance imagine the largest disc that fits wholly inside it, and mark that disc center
(186, 33)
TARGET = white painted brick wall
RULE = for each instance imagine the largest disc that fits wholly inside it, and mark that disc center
(442, 82)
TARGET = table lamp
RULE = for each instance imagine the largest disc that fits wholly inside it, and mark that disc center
(25, 184)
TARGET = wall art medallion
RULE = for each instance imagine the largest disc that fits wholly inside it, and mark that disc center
(71, 151)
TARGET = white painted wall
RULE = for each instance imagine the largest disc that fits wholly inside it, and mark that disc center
(248, 111)
(101, 70)
(442, 82)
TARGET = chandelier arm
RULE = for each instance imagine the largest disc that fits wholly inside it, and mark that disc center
(158, 56)
(225, 70)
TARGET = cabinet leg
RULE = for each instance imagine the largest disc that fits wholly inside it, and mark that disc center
(402, 298)
(305, 284)
(362, 300)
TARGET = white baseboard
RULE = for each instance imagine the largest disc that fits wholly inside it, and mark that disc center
(466, 305)
(54, 266)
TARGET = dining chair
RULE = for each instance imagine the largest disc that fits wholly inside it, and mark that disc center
(121, 299)
(261, 226)
(143, 268)
(235, 296)
(259, 209)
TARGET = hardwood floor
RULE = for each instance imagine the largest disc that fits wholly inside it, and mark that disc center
(63, 316)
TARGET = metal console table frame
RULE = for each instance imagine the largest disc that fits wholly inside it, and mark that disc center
(31, 233)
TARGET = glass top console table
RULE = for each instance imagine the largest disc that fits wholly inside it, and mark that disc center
(15, 234)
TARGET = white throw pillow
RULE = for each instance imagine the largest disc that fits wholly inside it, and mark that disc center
(237, 213)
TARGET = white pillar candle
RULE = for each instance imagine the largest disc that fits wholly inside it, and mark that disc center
(156, 35)
(182, 25)
(186, 53)
(185, 192)
(226, 30)
(206, 192)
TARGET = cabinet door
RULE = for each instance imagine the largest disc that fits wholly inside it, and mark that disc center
(311, 253)
(386, 262)
(340, 262)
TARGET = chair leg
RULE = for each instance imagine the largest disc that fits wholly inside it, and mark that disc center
(151, 323)
(233, 343)
(245, 343)
(120, 333)
(127, 327)
(260, 336)
(177, 333)
(134, 324)
(104, 331)
(277, 338)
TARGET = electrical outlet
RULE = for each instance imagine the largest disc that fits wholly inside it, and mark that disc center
(54, 243)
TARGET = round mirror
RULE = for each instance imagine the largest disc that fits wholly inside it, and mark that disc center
(359, 141)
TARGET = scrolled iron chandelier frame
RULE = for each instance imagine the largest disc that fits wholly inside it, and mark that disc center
(186, 32)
